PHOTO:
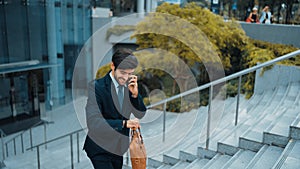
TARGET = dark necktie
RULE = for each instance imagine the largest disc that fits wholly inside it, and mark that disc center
(120, 96)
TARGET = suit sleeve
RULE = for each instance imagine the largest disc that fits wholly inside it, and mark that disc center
(138, 106)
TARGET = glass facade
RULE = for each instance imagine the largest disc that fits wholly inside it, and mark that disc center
(50, 34)
(47, 32)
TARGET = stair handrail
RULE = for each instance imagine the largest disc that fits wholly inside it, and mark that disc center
(2, 134)
(216, 82)
(59, 138)
(229, 77)
(164, 102)
(13, 139)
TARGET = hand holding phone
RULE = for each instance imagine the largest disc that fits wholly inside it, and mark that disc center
(132, 85)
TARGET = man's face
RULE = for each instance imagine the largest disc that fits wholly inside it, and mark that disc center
(122, 75)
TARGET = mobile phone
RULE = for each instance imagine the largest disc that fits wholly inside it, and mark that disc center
(128, 80)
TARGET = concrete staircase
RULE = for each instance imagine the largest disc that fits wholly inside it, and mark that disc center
(267, 136)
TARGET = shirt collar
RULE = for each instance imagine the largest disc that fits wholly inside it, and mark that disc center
(114, 80)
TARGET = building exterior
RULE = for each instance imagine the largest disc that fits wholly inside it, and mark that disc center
(39, 42)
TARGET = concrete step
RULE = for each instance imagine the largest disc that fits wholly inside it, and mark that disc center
(218, 161)
(188, 155)
(292, 95)
(164, 166)
(152, 123)
(155, 161)
(252, 139)
(265, 157)
(172, 156)
(230, 143)
(240, 160)
(272, 129)
(123, 167)
(290, 157)
(226, 125)
(198, 163)
(174, 134)
(278, 131)
(180, 165)
(206, 153)
(149, 167)
(295, 128)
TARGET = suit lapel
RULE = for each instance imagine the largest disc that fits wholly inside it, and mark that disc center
(112, 91)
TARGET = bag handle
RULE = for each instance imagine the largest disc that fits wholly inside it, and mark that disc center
(138, 132)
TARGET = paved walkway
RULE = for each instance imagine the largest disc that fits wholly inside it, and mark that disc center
(63, 121)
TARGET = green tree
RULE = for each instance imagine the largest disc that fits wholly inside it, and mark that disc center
(227, 39)
(199, 38)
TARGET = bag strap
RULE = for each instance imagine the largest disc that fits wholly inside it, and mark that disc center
(139, 134)
(142, 141)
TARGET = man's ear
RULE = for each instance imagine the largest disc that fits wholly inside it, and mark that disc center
(112, 66)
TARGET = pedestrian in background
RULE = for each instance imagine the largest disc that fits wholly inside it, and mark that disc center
(266, 16)
(253, 16)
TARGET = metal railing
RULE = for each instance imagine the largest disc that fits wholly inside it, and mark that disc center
(2, 134)
(165, 101)
(20, 137)
(216, 82)
(59, 138)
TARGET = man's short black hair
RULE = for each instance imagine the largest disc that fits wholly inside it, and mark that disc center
(123, 58)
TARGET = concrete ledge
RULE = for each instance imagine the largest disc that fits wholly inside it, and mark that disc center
(295, 128)
(274, 139)
(154, 163)
(205, 153)
(227, 149)
(295, 132)
(250, 144)
(184, 156)
(170, 160)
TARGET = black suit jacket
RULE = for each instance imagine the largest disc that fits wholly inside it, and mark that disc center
(106, 134)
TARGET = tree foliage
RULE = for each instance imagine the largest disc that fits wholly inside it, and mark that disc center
(226, 40)
(233, 47)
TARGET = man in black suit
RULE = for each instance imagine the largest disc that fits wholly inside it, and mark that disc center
(111, 100)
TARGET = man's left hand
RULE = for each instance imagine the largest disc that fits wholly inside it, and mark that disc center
(133, 86)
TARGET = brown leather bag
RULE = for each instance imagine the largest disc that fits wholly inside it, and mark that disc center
(137, 149)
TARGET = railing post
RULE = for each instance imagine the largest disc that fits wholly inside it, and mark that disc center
(71, 146)
(22, 143)
(15, 149)
(209, 115)
(6, 149)
(45, 135)
(38, 156)
(164, 121)
(78, 159)
(127, 158)
(238, 101)
(2, 144)
(30, 135)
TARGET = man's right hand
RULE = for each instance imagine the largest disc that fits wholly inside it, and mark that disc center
(133, 123)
